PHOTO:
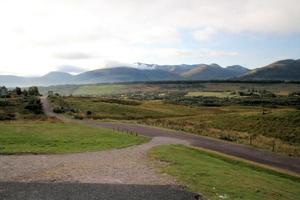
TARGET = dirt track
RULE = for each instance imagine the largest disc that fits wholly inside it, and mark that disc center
(240, 151)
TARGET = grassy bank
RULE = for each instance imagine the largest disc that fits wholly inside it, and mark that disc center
(218, 177)
(46, 137)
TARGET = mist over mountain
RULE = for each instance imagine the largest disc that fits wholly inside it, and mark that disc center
(280, 70)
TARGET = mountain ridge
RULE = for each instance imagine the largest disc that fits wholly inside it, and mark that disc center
(281, 70)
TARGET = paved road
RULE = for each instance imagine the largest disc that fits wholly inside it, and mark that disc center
(83, 191)
(241, 151)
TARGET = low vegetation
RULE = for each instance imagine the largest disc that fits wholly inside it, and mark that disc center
(218, 177)
(21, 104)
(45, 137)
(272, 128)
(117, 109)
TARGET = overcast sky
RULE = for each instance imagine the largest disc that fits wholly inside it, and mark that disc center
(38, 36)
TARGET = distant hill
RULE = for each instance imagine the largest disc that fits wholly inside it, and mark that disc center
(124, 74)
(280, 70)
(214, 72)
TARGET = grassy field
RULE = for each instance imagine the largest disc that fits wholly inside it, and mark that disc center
(121, 110)
(107, 89)
(278, 129)
(55, 137)
(210, 94)
(218, 177)
(259, 114)
(99, 90)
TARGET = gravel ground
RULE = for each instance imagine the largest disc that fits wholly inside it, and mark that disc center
(119, 166)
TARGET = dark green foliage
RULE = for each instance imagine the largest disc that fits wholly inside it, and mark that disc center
(117, 101)
(7, 116)
(246, 101)
(88, 113)
(34, 105)
(25, 92)
(18, 91)
(59, 110)
(33, 91)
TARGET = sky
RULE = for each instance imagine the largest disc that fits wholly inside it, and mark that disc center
(38, 36)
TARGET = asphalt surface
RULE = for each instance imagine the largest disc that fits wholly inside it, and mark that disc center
(83, 191)
(275, 160)
(241, 151)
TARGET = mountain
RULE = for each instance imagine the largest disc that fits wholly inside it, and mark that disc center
(199, 71)
(280, 70)
(55, 77)
(214, 72)
(9, 80)
(124, 74)
(237, 70)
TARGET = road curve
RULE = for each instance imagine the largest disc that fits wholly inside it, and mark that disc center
(291, 164)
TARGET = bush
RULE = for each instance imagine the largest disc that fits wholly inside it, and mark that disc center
(34, 105)
(59, 110)
(33, 91)
(228, 137)
(80, 117)
(7, 116)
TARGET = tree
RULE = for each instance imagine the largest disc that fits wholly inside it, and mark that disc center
(33, 91)
(25, 92)
(18, 91)
(34, 105)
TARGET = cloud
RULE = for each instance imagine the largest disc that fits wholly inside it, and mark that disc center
(220, 53)
(204, 34)
(201, 53)
(70, 69)
(73, 56)
(32, 32)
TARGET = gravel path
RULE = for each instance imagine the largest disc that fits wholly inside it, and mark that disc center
(121, 166)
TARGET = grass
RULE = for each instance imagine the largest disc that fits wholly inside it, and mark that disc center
(105, 110)
(99, 90)
(106, 89)
(218, 177)
(210, 94)
(45, 137)
(279, 125)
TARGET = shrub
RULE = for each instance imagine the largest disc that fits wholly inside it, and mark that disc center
(33, 91)
(7, 116)
(80, 117)
(34, 105)
(59, 110)
(228, 137)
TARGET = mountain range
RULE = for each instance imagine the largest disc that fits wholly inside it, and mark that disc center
(288, 70)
